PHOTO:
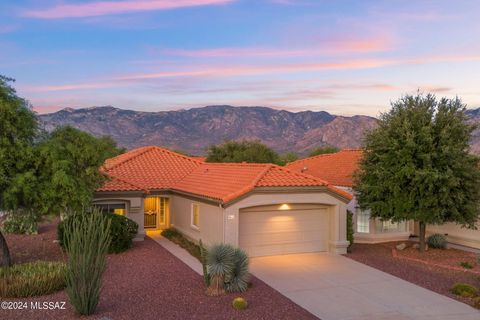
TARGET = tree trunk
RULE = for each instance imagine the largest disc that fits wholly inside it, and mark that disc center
(423, 227)
(5, 260)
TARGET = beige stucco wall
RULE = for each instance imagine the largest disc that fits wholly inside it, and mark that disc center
(335, 207)
(211, 220)
(457, 234)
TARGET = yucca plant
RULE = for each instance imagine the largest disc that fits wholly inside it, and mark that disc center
(237, 280)
(220, 264)
(87, 243)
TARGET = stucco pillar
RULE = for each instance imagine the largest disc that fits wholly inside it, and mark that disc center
(338, 229)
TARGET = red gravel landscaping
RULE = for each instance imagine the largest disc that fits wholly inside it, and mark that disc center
(431, 277)
(147, 282)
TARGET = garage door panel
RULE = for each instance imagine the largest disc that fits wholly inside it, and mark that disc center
(281, 232)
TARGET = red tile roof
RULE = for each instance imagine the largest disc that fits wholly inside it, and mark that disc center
(336, 168)
(154, 168)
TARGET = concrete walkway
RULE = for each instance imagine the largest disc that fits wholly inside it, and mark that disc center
(335, 287)
(178, 252)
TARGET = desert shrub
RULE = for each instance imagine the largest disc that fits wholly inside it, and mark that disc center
(239, 303)
(350, 230)
(87, 243)
(476, 302)
(227, 269)
(437, 240)
(170, 233)
(122, 230)
(237, 281)
(466, 265)
(21, 222)
(464, 290)
(32, 279)
(220, 264)
(176, 237)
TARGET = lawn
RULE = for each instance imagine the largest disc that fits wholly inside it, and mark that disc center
(437, 270)
(147, 282)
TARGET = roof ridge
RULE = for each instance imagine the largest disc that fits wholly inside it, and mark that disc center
(324, 155)
(126, 181)
(135, 153)
(251, 185)
(147, 149)
(303, 175)
(246, 164)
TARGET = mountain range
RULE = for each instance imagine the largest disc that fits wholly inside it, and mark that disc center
(193, 130)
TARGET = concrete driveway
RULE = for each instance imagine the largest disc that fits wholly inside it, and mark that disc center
(335, 287)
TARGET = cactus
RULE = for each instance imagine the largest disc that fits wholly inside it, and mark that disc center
(239, 303)
(87, 243)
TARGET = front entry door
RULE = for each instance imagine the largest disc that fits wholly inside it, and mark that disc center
(156, 212)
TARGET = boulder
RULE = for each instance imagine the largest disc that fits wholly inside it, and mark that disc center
(401, 246)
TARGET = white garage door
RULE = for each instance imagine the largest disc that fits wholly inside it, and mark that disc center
(268, 231)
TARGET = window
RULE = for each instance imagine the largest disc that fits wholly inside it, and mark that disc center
(195, 215)
(116, 208)
(363, 221)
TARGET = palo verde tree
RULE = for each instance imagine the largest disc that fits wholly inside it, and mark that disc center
(417, 165)
(18, 129)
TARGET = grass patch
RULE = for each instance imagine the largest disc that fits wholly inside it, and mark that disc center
(464, 290)
(32, 279)
(466, 265)
(176, 237)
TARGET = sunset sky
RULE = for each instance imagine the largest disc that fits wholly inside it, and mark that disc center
(344, 57)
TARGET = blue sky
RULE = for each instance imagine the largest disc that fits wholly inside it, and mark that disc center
(345, 57)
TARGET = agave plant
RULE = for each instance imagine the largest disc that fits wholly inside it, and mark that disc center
(220, 264)
(237, 281)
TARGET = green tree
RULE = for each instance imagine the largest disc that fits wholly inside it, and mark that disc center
(323, 150)
(18, 129)
(288, 157)
(417, 165)
(242, 151)
(68, 169)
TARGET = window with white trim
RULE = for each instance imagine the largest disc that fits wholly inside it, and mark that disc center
(116, 208)
(195, 221)
(363, 221)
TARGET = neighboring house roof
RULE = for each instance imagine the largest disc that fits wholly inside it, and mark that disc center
(154, 168)
(336, 168)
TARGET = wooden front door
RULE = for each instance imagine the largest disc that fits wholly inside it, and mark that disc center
(156, 211)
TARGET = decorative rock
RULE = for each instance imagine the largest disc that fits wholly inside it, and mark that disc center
(416, 246)
(401, 246)
(56, 241)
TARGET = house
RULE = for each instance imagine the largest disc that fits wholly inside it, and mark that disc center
(263, 208)
(338, 169)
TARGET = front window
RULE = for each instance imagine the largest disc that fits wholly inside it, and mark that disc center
(363, 221)
(195, 215)
(115, 208)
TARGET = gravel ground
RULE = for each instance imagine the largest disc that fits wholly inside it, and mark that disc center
(41, 246)
(147, 282)
(437, 279)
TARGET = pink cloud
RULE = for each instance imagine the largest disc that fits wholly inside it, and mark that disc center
(329, 47)
(101, 8)
(252, 70)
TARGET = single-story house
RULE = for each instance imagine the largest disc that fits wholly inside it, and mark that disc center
(263, 208)
(338, 169)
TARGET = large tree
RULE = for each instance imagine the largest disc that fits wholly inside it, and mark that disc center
(68, 161)
(242, 151)
(18, 129)
(417, 165)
